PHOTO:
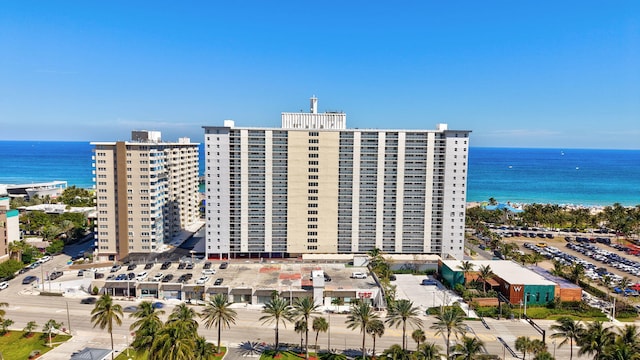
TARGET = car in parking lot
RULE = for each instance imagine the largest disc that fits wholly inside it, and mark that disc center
(44, 259)
(427, 282)
(209, 271)
(189, 266)
(116, 268)
(34, 265)
(89, 300)
(122, 277)
(4, 285)
(182, 266)
(131, 276)
(29, 279)
(141, 276)
(131, 267)
(158, 277)
(54, 275)
(358, 275)
(167, 278)
(157, 305)
(207, 265)
(224, 265)
(148, 266)
(218, 281)
(165, 265)
(24, 270)
(202, 280)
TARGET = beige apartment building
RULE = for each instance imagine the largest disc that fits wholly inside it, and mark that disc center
(9, 225)
(314, 186)
(146, 193)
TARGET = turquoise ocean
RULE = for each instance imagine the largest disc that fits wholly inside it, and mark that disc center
(558, 176)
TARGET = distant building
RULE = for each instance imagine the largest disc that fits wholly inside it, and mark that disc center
(515, 282)
(146, 193)
(9, 225)
(314, 186)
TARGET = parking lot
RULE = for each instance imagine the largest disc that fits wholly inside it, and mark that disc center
(409, 287)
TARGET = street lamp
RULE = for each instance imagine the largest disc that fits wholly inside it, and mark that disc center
(525, 304)
(554, 348)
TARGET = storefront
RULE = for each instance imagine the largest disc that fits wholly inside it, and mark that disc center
(170, 291)
(148, 290)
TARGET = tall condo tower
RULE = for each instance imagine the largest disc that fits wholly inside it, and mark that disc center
(314, 186)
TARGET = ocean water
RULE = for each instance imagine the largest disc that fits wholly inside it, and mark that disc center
(569, 176)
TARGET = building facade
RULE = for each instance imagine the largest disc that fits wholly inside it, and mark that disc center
(9, 225)
(146, 193)
(314, 186)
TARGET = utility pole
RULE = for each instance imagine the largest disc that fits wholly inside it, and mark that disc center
(68, 318)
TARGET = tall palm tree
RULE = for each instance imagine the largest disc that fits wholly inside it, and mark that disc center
(218, 312)
(276, 311)
(523, 344)
(466, 267)
(203, 349)
(300, 327)
(183, 318)
(395, 352)
(104, 314)
(576, 272)
(596, 339)
(468, 348)
(360, 315)
(449, 321)
(419, 337)
(375, 328)
(171, 344)
(485, 273)
(403, 312)
(568, 330)
(429, 351)
(146, 326)
(319, 324)
(630, 335)
(303, 308)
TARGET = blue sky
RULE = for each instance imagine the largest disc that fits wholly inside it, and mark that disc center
(562, 74)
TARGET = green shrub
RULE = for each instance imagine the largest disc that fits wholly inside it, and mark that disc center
(9, 268)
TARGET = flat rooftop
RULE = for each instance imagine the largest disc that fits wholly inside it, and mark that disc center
(509, 271)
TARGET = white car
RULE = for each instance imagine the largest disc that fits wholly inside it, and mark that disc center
(209, 271)
(44, 259)
(142, 276)
(158, 277)
(4, 285)
(202, 280)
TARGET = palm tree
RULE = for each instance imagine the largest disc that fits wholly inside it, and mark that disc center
(629, 335)
(303, 308)
(28, 330)
(146, 326)
(595, 340)
(418, 336)
(171, 344)
(449, 321)
(276, 311)
(568, 330)
(203, 350)
(183, 318)
(104, 314)
(468, 348)
(429, 351)
(49, 327)
(300, 327)
(319, 324)
(2, 312)
(403, 312)
(395, 352)
(218, 312)
(523, 344)
(466, 267)
(558, 268)
(576, 272)
(359, 317)
(4, 325)
(485, 273)
(537, 347)
(375, 328)
(543, 356)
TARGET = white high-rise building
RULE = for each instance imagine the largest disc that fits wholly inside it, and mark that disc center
(146, 193)
(314, 186)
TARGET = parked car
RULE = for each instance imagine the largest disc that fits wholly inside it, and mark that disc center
(44, 259)
(203, 280)
(167, 278)
(4, 285)
(358, 275)
(209, 271)
(54, 275)
(218, 281)
(157, 305)
(158, 277)
(116, 268)
(207, 265)
(98, 275)
(141, 276)
(131, 267)
(182, 266)
(189, 266)
(428, 282)
(89, 300)
(165, 265)
(224, 265)
(130, 309)
(148, 266)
